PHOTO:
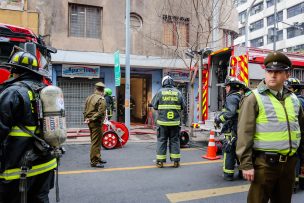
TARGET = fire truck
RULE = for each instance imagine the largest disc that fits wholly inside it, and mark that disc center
(244, 63)
(14, 38)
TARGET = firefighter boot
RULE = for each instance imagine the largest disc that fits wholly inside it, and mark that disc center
(176, 164)
(159, 164)
(228, 176)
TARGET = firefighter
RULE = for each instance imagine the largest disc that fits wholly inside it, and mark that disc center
(26, 173)
(109, 102)
(295, 86)
(228, 117)
(169, 103)
(94, 115)
(270, 132)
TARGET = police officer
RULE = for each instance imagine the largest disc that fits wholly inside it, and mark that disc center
(169, 103)
(295, 86)
(94, 115)
(270, 131)
(26, 173)
(109, 102)
(228, 117)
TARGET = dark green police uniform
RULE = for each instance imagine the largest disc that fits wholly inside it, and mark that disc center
(95, 111)
(270, 131)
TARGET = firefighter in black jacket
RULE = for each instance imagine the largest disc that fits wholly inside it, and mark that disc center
(26, 173)
(169, 103)
(229, 118)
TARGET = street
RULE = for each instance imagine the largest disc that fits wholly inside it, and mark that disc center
(131, 176)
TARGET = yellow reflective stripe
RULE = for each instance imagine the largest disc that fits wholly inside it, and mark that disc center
(25, 60)
(16, 131)
(12, 174)
(178, 107)
(161, 157)
(168, 123)
(175, 156)
(222, 118)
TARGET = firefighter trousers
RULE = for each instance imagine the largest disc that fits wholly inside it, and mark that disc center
(38, 188)
(165, 134)
(230, 158)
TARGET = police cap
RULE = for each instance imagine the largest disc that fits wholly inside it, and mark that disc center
(100, 84)
(277, 61)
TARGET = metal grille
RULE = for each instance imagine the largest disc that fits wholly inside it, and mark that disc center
(75, 92)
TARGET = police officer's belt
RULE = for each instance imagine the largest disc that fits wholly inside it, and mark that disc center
(272, 157)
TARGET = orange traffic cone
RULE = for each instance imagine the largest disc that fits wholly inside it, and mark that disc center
(211, 150)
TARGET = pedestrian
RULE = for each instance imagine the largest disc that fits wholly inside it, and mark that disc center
(229, 118)
(26, 172)
(94, 115)
(270, 131)
(169, 103)
(109, 102)
(296, 86)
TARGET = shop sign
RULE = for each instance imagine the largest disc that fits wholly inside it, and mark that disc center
(178, 75)
(80, 71)
(117, 68)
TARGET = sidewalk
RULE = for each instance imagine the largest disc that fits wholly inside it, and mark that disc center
(138, 133)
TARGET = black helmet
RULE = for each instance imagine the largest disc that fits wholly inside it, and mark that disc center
(25, 61)
(167, 81)
(234, 83)
(277, 61)
(294, 83)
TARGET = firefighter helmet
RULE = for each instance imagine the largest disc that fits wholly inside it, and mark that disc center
(25, 61)
(294, 83)
(167, 81)
(234, 83)
(108, 91)
(277, 61)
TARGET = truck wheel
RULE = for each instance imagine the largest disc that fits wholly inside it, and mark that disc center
(109, 140)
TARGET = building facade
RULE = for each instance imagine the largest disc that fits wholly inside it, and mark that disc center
(261, 24)
(88, 33)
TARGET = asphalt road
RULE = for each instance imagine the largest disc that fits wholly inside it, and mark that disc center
(131, 176)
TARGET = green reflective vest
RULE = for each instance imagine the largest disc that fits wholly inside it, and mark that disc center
(277, 126)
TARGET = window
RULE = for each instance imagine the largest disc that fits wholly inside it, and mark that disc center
(242, 31)
(298, 73)
(270, 35)
(242, 16)
(136, 21)
(85, 21)
(256, 8)
(270, 19)
(295, 10)
(271, 2)
(295, 31)
(256, 25)
(257, 42)
(176, 31)
(240, 2)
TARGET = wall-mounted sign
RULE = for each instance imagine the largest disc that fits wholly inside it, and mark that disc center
(177, 75)
(117, 68)
(12, 4)
(80, 71)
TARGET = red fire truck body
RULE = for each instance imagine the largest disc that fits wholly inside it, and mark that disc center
(13, 38)
(246, 64)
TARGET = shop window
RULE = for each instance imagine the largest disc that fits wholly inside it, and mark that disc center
(84, 21)
(176, 31)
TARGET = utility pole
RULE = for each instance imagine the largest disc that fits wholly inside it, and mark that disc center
(127, 85)
(246, 23)
(275, 26)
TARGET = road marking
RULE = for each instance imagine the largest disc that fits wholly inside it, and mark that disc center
(190, 149)
(202, 194)
(134, 168)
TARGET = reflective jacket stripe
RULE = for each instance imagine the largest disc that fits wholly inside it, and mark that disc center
(16, 131)
(168, 123)
(162, 106)
(274, 127)
(12, 174)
